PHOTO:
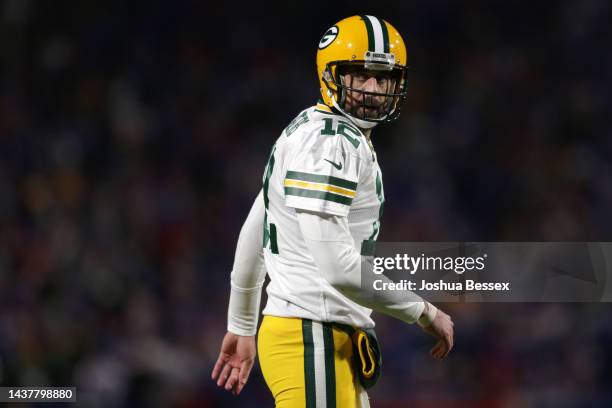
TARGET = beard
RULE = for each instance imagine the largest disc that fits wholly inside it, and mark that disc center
(365, 106)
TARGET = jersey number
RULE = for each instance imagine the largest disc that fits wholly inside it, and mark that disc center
(343, 129)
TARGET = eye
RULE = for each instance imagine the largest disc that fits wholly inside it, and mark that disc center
(360, 76)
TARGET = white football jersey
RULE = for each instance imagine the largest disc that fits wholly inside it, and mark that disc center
(323, 163)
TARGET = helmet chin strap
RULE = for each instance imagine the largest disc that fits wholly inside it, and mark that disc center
(363, 124)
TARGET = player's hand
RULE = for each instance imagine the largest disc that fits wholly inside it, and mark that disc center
(442, 329)
(235, 361)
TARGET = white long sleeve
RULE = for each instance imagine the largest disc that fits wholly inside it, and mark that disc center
(248, 274)
(331, 246)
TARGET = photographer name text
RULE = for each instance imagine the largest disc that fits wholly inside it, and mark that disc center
(469, 285)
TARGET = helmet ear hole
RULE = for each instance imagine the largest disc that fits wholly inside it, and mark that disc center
(341, 91)
(327, 75)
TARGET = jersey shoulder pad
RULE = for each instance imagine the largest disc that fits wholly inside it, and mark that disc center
(323, 165)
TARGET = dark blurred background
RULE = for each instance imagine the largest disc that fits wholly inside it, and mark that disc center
(133, 137)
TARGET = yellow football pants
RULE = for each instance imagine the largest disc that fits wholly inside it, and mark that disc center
(308, 364)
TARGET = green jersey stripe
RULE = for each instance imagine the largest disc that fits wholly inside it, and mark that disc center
(318, 178)
(268, 174)
(321, 195)
(381, 199)
(266, 185)
(273, 240)
(368, 247)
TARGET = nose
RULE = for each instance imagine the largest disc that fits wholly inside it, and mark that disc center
(370, 85)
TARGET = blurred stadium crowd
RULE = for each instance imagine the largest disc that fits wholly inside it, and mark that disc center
(133, 140)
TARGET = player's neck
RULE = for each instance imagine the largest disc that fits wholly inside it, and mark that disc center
(367, 133)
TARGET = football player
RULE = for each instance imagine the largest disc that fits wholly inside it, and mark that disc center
(316, 218)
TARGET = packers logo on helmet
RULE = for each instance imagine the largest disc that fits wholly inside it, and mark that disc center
(363, 46)
(329, 37)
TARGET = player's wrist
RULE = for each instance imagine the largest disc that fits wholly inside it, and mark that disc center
(428, 315)
(243, 310)
(240, 332)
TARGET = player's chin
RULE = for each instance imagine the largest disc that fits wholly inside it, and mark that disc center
(369, 112)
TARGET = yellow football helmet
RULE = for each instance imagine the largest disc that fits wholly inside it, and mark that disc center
(369, 44)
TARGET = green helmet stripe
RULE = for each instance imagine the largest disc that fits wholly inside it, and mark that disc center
(378, 34)
(368, 24)
(385, 33)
